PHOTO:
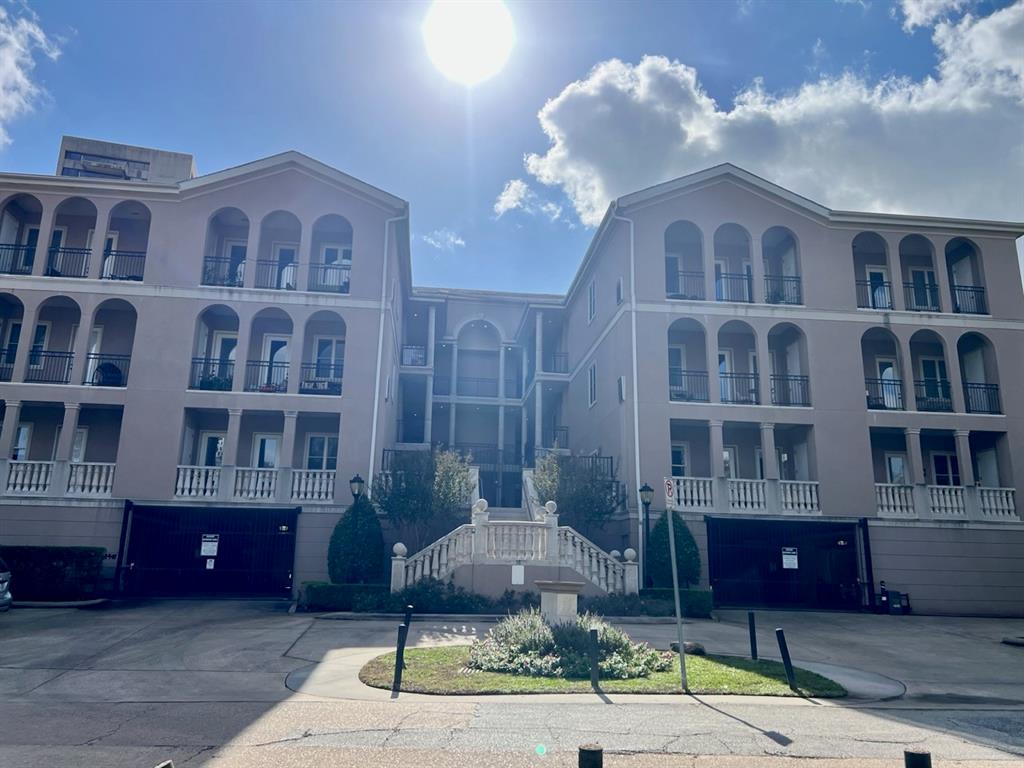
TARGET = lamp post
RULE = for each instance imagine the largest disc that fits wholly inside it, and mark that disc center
(646, 496)
(356, 486)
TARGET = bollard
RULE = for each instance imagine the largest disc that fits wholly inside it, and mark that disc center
(403, 635)
(408, 615)
(786, 661)
(591, 756)
(915, 759)
(753, 635)
(594, 653)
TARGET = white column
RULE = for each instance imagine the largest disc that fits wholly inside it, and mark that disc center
(252, 249)
(99, 239)
(428, 415)
(284, 470)
(304, 256)
(764, 367)
(501, 371)
(907, 375)
(768, 454)
(62, 456)
(12, 415)
(538, 413)
(454, 384)
(538, 349)
(757, 271)
(341, 487)
(915, 459)
(718, 480)
(81, 344)
(711, 344)
(242, 347)
(297, 342)
(29, 320)
(956, 381)
(42, 255)
(431, 330)
(451, 425)
(963, 456)
(230, 457)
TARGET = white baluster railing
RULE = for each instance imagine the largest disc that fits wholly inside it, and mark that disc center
(508, 541)
(313, 484)
(747, 495)
(799, 496)
(947, 501)
(442, 557)
(592, 562)
(91, 478)
(201, 482)
(998, 504)
(895, 500)
(251, 483)
(690, 493)
(29, 477)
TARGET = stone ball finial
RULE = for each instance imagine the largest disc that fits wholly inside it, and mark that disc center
(551, 507)
(630, 555)
(616, 554)
(399, 550)
(481, 505)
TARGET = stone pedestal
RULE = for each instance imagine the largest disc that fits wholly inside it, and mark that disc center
(558, 600)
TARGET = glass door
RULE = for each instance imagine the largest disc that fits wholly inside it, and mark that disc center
(945, 469)
(265, 451)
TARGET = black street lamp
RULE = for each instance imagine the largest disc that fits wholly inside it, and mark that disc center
(646, 497)
(356, 486)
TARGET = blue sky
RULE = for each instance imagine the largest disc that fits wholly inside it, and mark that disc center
(859, 90)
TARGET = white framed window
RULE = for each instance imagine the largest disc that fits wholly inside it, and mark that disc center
(945, 468)
(335, 253)
(622, 389)
(321, 452)
(759, 462)
(732, 464)
(619, 292)
(680, 458)
(22, 442)
(591, 301)
(286, 256)
(39, 343)
(896, 470)
(78, 443)
(211, 449)
(266, 450)
(592, 385)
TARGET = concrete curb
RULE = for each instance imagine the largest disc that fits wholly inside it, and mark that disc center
(487, 618)
(60, 604)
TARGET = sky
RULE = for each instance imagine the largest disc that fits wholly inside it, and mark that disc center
(908, 106)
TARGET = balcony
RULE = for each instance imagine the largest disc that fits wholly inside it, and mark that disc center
(255, 484)
(470, 386)
(6, 364)
(982, 398)
(91, 478)
(799, 496)
(329, 278)
(123, 265)
(947, 502)
(747, 495)
(874, 294)
(266, 376)
(68, 262)
(194, 482)
(687, 386)
(734, 286)
(791, 390)
(223, 272)
(16, 259)
(921, 297)
(789, 497)
(783, 290)
(969, 300)
(894, 500)
(29, 478)
(933, 395)
(685, 285)
(557, 437)
(106, 370)
(998, 504)
(739, 388)
(211, 374)
(313, 485)
(884, 394)
(320, 378)
(49, 367)
(414, 355)
(557, 362)
(275, 275)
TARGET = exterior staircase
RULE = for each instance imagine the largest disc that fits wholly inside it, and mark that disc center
(508, 514)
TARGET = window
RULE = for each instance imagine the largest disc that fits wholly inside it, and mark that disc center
(592, 385)
(285, 258)
(619, 292)
(946, 469)
(211, 449)
(730, 455)
(896, 469)
(265, 450)
(39, 343)
(322, 452)
(591, 301)
(78, 444)
(330, 357)
(22, 441)
(680, 453)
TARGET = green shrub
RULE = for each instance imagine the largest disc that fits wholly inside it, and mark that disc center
(54, 573)
(355, 554)
(659, 557)
(696, 603)
(321, 596)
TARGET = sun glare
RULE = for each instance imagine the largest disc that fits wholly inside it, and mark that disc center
(468, 40)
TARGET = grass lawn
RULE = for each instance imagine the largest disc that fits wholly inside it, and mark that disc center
(442, 670)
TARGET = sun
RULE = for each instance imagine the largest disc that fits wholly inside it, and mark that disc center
(468, 40)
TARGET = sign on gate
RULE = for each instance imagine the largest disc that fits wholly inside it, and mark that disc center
(208, 547)
(789, 558)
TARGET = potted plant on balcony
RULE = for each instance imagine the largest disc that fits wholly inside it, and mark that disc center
(217, 383)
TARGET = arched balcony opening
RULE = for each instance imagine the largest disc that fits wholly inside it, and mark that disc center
(737, 364)
(323, 354)
(478, 353)
(331, 255)
(734, 277)
(111, 338)
(787, 350)
(917, 271)
(684, 261)
(932, 391)
(124, 250)
(12, 313)
(687, 362)
(871, 271)
(966, 278)
(980, 374)
(269, 351)
(227, 242)
(52, 342)
(71, 240)
(214, 349)
(19, 234)
(277, 263)
(883, 370)
(781, 254)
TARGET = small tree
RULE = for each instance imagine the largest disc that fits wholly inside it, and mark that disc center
(659, 558)
(586, 494)
(355, 554)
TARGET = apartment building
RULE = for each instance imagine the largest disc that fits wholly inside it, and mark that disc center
(826, 397)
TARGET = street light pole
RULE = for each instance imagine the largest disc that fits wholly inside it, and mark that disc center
(646, 496)
(675, 592)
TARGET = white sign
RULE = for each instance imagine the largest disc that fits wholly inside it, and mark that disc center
(789, 558)
(518, 575)
(670, 489)
(208, 548)
(209, 564)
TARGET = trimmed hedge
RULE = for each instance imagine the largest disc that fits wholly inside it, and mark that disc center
(695, 603)
(54, 573)
(427, 596)
(321, 596)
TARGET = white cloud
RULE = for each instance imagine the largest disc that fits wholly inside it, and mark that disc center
(948, 144)
(517, 195)
(444, 239)
(924, 13)
(21, 39)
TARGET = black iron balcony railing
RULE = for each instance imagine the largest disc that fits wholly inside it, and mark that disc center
(17, 259)
(933, 395)
(68, 262)
(123, 265)
(49, 367)
(791, 390)
(265, 376)
(874, 294)
(556, 437)
(270, 273)
(685, 285)
(687, 386)
(7, 363)
(329, 278)
(414, 355)
(106, 370)
(783, 289)
(557, 362)
(884, 394)
(442, 385)
(223, 272)
(739, 388)
(513, 388)
(734, 286)
(969, 300)
(982, 398)
(211, 374)
(321, 378)
(472, 386)
(921, 297)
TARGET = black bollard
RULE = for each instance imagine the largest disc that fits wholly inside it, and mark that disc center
(591, 756)
(753, 635)
(594, 653)
(403, 635)
(408, 615)
(786, 661)
(915, 759)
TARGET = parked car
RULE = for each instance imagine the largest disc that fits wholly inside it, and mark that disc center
(5, 583)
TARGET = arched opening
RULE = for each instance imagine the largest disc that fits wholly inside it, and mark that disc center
(787, 350)
(980, 374)
(734, 278)
(331, 255)
(883, 377)
(966, 281)
(917, 268)
(684, 261)
(124, 251)
(71, 241)
(479, 350)
(19, 234)
(269, 351)
(871, 271)
(323, 354)
(932, 391)
(278, 260)
(687, 361)
(227, 242)
(12, 313)
(737, 364)
(53, 340)
(214, 349)
(781, 267)
(111, 338)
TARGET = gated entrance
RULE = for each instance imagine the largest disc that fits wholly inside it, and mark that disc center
(209, 551)
(783, 563)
